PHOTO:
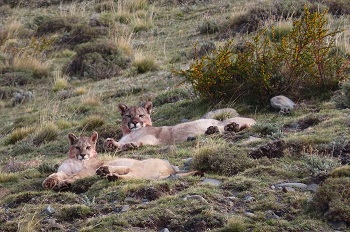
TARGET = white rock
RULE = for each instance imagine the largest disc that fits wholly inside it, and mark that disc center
(282, 103)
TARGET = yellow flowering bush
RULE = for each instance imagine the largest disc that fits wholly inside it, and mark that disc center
(304, 64)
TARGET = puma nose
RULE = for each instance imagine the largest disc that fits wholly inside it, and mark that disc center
(82, 156)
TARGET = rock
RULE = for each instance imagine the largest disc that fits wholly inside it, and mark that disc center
(48, 211)
(211, 181)
(291, 185)
(225, 112)
(288, 189)
(125, 208)
(164, 230)
(282, 103)
(249, 199)
(337, 225)
(312, 187)
(270, 215)
(196, 197)
(249, 214)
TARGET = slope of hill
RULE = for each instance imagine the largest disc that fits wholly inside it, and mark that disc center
(65, 66)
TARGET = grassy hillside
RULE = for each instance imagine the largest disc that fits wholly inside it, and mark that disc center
(65, 66)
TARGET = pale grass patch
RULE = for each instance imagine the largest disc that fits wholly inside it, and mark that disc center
(12, 28)
(2, 105)
(142, 21)
(91, 100)
(144, 63)
(123, 41)
(8, 177)
(80, 91)
(60, 81)
(135, 5)
(19, 134)
(75, 9)
(30, 62)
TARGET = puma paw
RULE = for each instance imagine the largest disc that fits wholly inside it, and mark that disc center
(62, 186)
(232, 127)
(129, 146)
(50, 182)
(108, 145)
(112, 177)
(102, 171)
(212, 130)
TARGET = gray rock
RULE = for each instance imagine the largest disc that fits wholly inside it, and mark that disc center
(48, 210)
(312, 187)
(226, 112)
(249, 199)
(337, 225)
(270, 215)
(125, 208)
(249, 214)
(196, 197)
(211, 181)
(288, 189)
(164, 230)
(291, 185)
(282, 103)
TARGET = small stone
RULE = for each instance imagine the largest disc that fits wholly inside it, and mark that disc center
(164, 230)
(337, 225)
(196, 197)
(48, 210)
(249, 199)
(125, 208)
(249, 214)
(211, 182)
(270, 215)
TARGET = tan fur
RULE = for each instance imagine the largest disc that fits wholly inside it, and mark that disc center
(83, 163)
(152, 169)
(135, 117)
(173, 134)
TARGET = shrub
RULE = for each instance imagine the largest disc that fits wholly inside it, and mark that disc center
(218, 158)
(342, 97)
(97, 60)
(46, 133)
(16, 78)
(302, 65)
(329, 200)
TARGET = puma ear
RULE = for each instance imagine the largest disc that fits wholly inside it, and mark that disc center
(71, 138)
(122, 108)
(148, 106)
(94, 136)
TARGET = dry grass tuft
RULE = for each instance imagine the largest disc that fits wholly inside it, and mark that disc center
(18, 134)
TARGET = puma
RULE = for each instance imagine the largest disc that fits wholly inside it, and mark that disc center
(83, 162)
(149, 135)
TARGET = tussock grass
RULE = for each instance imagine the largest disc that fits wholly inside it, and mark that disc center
(18, 134)
(8, 177)
(60, 82)
(39, 67)
(80, 90)
(144, 63)
(47, 133)
(92, 122)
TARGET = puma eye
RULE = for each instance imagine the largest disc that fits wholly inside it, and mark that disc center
(128, 116)
(88, 147)
(141, 115)
(78, 148)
